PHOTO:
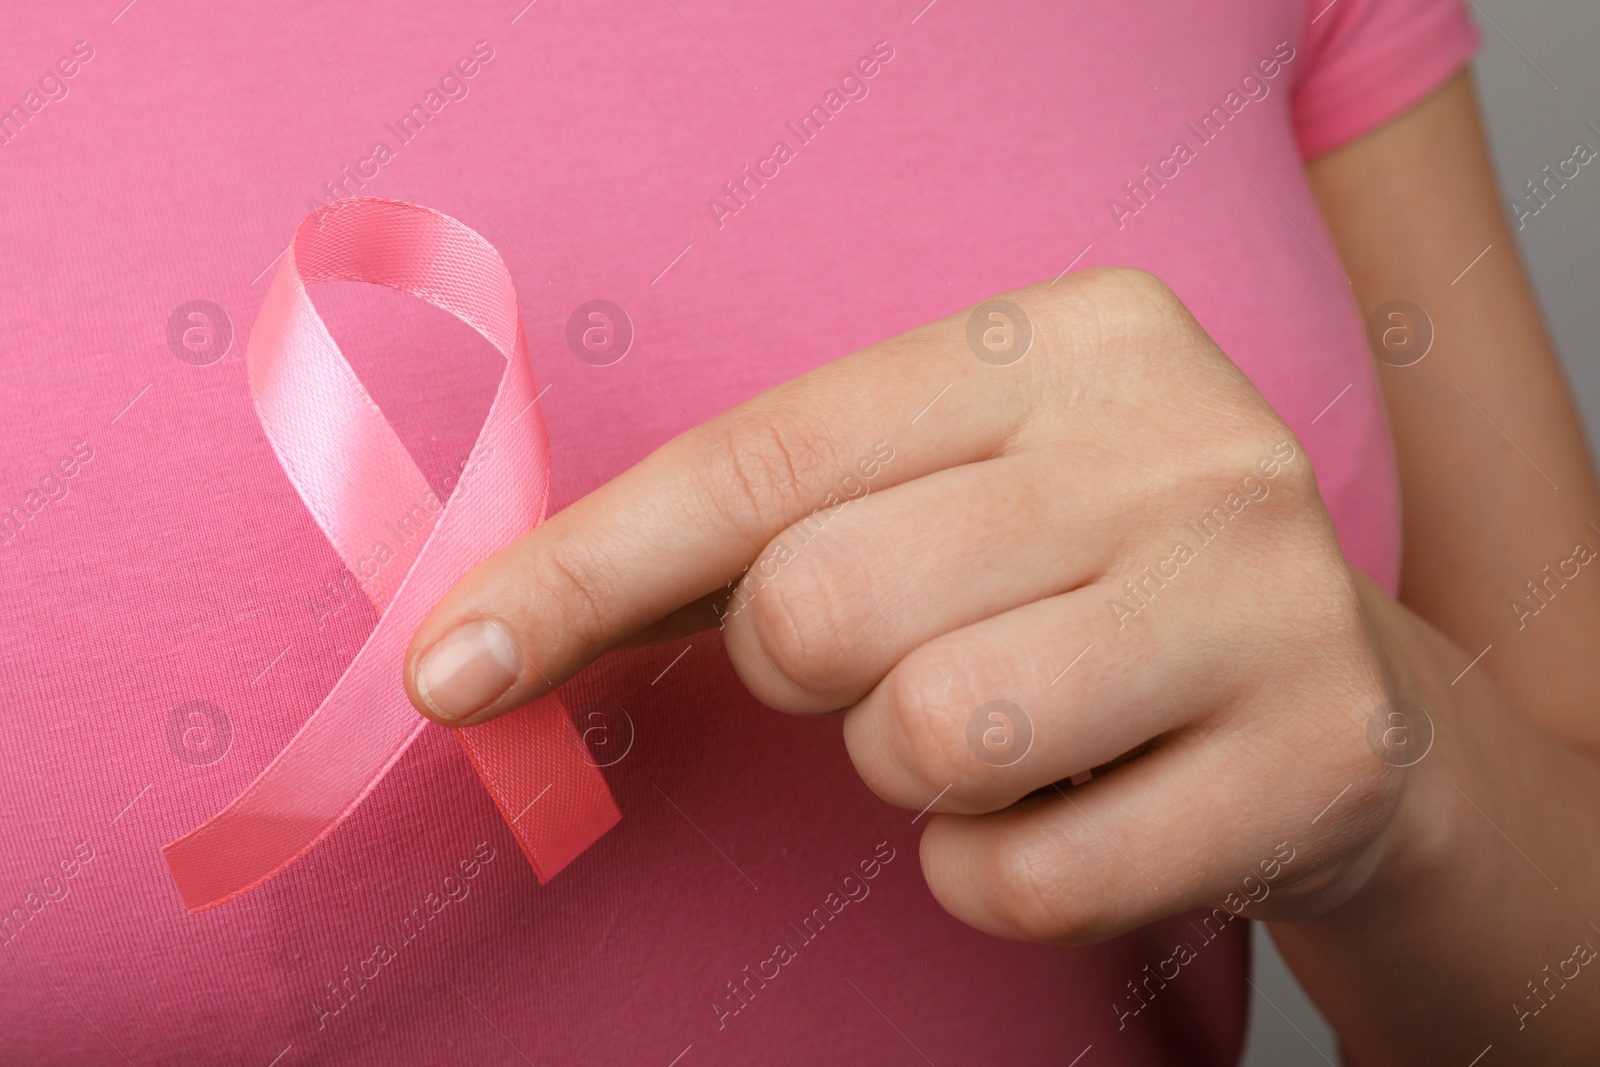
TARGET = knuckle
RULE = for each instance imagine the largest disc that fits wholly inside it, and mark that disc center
(1026, 895)
(1265, 462)
(758, 479)
(1045, 888)
(1130, 283)
(797, 621)
(1246, 438)
(929, 720)
(1239, 452)
(1109, 320)
(568, 577)
(1295, 475)
(1131, 299)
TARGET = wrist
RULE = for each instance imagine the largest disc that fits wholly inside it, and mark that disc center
(1418, 732)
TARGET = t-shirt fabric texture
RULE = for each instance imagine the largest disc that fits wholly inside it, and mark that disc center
(755, 190)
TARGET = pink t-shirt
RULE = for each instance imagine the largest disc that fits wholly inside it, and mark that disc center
(760, 190)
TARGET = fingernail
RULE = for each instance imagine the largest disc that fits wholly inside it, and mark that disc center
(467, 669)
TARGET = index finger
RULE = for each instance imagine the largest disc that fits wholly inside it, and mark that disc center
(687, 521)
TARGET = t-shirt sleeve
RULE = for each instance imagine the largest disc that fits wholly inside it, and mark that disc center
(1369, 60)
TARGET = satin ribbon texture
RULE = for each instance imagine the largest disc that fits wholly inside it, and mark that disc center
(359, 483)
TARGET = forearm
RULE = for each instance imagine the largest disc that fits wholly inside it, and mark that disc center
(1476, 925)
(1497, 487)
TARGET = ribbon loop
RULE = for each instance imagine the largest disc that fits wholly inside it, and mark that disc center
(357, 479)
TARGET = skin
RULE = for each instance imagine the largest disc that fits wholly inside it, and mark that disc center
(1236, 701)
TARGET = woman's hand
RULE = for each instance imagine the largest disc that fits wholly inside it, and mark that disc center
(1040, 537)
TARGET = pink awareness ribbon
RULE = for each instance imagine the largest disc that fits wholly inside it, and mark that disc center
(355, 476)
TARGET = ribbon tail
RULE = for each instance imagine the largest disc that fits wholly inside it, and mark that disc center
(552, 795)
(263, 832)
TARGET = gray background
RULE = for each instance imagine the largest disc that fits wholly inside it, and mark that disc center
(1540, 82)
